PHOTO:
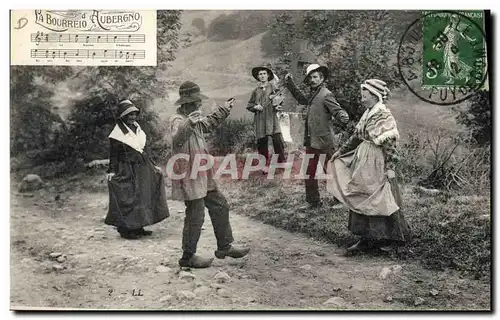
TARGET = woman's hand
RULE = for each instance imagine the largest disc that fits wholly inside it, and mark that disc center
(391, 174)
(335, 156)
(258, 107)
(110, 176)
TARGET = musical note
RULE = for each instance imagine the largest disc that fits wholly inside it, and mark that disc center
(65, 53)
(60, 36)
(87, 40)
(129, 36)
(127, 56)
(114, 39)
(93, 55)
(46, 53)
(98, 38)
(38, 37)
(76, 38)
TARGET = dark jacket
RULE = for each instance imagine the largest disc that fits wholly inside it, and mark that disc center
(322, 112)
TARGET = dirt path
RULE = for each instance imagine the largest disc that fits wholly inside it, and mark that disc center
(102, 270)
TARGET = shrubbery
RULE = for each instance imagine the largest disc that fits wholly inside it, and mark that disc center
(232, 136)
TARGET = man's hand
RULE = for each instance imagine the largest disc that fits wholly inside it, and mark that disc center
(278, 108)
(158, 169)
(194, 117)
(288, 76)
(258, 107)
(110, 175)
(229, 104)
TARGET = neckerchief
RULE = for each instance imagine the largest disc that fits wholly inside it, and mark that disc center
(377, 124)
(137, 140)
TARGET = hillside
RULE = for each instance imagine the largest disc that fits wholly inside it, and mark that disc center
(222, 69)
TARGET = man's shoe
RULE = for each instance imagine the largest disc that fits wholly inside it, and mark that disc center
(311, 205)
(232, 252)
(196, 262)
(360, 246)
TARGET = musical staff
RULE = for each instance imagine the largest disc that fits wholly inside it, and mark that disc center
(87, 38)
(88, 54)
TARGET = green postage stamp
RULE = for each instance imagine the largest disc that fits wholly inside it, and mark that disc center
(454, 49)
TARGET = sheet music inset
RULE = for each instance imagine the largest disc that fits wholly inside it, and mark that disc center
(83, 37)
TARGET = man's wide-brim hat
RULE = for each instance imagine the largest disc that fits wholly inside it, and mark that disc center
(126, 107)
(189, 92)
(316, 67)
(255, 72)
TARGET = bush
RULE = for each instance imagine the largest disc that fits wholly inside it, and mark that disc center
(232, 136)
(435, 160)
(91, 121)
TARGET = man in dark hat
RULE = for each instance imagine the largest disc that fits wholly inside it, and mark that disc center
(265, 103)
(198, 189)
(322, 113)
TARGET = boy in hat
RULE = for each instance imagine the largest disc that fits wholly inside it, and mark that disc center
(322, 108)
(265, 103)
(200, 190)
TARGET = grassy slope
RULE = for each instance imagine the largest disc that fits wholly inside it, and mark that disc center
(449, 232)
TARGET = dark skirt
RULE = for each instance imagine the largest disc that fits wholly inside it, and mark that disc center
(391, 228)
(137, 196)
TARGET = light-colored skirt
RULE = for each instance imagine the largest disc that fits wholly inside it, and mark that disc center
(358, 179)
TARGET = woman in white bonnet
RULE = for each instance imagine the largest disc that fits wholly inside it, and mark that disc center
(137, 196)
(363, 174)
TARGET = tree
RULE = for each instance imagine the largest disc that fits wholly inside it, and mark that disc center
(356, 45)
(32, 117)
(477, 117)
